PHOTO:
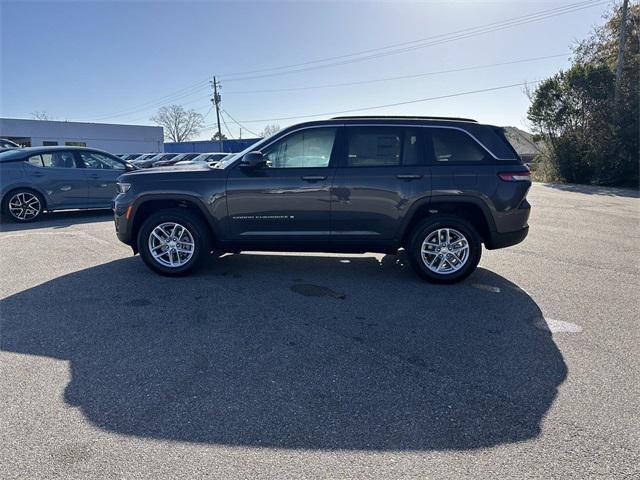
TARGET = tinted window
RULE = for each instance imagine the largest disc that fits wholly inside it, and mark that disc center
(53, 159)
(455, 146)
(374, 147)
(100, 161)
(48, 143)
(75, 144)
(309, 148)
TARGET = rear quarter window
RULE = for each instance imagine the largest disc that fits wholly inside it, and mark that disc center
(449, 145)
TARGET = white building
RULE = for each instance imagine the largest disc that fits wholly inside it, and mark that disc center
(106, 136)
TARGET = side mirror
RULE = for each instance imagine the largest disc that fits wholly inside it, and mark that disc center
(252, 160)
(129, 167)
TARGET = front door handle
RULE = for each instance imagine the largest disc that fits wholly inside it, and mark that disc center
(409, 176)
(37, 174)
(94, 175)
(314, 178)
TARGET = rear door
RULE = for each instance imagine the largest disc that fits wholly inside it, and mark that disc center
(101, 172)
(58, 176)
(381, 174)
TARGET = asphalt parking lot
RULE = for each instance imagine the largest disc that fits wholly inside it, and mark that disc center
(325, 366)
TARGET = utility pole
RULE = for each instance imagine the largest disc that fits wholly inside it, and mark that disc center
(623, 38)
(216, 102)
(240, 133)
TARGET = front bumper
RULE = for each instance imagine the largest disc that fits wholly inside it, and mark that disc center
(121, 220)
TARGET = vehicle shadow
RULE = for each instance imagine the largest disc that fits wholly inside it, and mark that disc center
(58, 220)
(308, 352)
(595, 190)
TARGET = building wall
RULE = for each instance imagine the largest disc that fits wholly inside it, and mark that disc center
(110, 137)
(210, 146)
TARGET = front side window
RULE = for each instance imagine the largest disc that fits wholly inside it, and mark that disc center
(306, 149)
(454, 146)
(98, 161)
(374, 147)
(53, 159)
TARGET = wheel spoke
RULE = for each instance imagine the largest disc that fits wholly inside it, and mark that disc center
(167, 251)
(454, 255)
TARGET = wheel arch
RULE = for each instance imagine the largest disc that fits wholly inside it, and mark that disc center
(150, 204)
(469, 208)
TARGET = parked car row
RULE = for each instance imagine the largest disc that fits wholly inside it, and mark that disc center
(147, 160)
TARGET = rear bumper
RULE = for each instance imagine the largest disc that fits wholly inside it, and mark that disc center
(506, 239)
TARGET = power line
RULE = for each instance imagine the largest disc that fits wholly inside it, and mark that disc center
(153, 103)
(415, 44)
(381, 52)
(226, 126)
(239, 124)
(419, 100)
(403, 77)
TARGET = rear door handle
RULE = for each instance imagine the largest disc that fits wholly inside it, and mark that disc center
(314, 178)
(94, 175)
(37, 174)
(409, 176)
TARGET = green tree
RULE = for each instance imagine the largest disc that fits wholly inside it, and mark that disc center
(589, 138)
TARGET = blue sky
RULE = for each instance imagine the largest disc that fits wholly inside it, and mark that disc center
(117, 62)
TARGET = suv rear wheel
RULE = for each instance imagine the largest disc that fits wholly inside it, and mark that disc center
(173, 242)
(444, 249)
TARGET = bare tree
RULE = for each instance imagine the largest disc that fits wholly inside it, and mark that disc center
(179, 124)
(269, 130)
(37, 115)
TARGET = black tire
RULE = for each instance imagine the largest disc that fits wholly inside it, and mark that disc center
(196, 229)
(429, 227)
(22, 191)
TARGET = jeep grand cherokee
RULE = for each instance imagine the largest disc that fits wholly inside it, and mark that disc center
(438, 187)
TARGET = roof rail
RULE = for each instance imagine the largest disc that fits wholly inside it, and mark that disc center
(404, 117)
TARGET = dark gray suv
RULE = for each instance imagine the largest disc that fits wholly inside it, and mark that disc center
(437, 187)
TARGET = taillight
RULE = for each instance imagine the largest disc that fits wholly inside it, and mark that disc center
(515, 176)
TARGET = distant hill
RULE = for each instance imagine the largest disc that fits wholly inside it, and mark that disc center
(523, 143)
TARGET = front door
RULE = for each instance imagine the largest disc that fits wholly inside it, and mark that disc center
(101, 172)
(286, 200)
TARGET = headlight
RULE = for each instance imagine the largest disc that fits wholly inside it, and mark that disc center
(123, 187)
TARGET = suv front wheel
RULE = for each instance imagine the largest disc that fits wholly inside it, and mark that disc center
(173, 242)
(444, 249)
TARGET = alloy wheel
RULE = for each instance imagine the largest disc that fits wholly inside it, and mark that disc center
(171, 244)
(24, 206)
(445, 251)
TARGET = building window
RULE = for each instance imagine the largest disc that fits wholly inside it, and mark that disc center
(75, 144)
(22, 141)
(48, 143)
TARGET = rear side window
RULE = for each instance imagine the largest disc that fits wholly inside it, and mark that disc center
(454, 146)
(374, 147)
(54, 159)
